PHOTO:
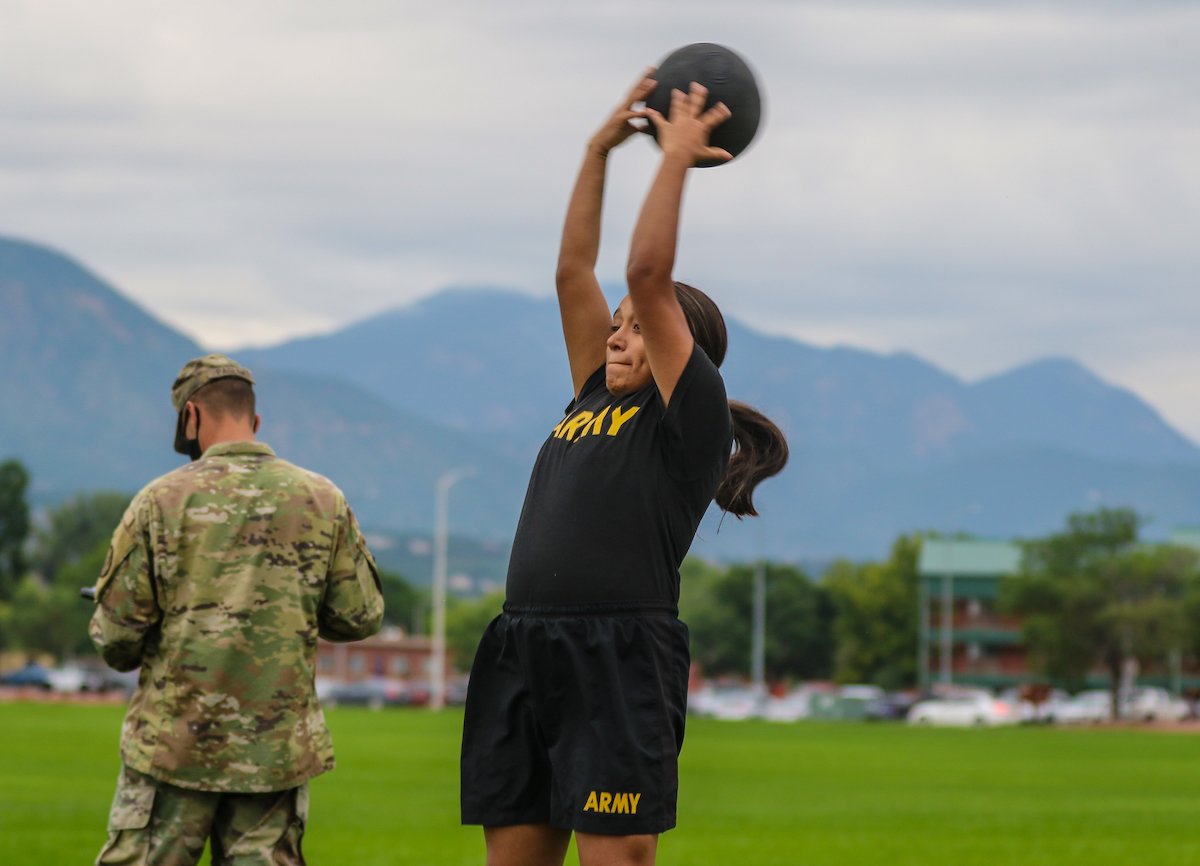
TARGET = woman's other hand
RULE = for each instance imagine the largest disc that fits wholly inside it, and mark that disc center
(620, 125)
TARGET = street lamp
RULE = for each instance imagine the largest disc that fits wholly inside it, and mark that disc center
(758, 618)
(758, 640)
(437, 696)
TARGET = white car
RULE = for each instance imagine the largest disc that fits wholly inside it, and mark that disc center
(68, 678)
(1087, 707)
(969, 709)
(730, 703)
(857, 692)
(734, 705)
(791, 707)
(1152, 704)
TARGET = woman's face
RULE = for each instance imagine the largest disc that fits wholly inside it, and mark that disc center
(627, 369)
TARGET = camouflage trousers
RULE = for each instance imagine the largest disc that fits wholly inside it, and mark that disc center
(156, 824)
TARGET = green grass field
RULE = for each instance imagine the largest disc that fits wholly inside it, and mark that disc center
(753, 794)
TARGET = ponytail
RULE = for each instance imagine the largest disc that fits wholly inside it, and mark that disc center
(760, 451)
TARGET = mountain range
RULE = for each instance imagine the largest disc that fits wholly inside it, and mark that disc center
(881, 443)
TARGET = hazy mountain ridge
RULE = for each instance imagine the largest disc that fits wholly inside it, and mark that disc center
(492, 360)
(481, 360)
(881, 444)
(82, 375)
(85, 376)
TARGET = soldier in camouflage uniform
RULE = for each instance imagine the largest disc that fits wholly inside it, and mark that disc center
(219, 581)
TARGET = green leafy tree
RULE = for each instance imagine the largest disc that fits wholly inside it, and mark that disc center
(401, 601)
(1191, 613)
(46, 613)
(75, 528)
(1092, 597)
(466, 620)
(50, 616)
(718, 608)
(14, 524)
(876, 621)
(698, 580)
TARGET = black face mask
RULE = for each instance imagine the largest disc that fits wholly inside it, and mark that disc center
(193, 449)
(183, 445)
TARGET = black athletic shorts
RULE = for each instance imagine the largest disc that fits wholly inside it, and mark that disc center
(576, 720)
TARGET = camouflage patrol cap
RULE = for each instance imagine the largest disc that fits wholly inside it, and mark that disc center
(200, 371)
(195, 374)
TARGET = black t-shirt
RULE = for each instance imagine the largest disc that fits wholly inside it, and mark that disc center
(617, 492)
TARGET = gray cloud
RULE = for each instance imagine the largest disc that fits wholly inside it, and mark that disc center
(979, 184)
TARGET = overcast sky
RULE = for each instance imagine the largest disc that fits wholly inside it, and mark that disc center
(980, 183)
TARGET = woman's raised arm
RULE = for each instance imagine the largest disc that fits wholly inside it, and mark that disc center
(683, 138)
(581, 303)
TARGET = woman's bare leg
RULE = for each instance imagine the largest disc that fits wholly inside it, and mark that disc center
(597, 850)
(526, 845)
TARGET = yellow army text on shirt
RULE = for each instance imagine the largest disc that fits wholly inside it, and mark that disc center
(219, 580)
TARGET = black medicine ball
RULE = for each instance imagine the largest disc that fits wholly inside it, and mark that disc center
(728, 80)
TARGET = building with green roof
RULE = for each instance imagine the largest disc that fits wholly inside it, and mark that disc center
(964, 639)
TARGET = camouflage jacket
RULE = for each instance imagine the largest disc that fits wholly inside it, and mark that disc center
(218, 582)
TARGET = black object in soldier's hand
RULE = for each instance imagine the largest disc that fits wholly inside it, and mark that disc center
(88, 592)
(728, 79)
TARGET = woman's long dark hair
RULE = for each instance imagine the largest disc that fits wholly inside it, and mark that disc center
(760, 449)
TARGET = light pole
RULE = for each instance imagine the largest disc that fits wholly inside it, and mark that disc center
(947, 653)
(758, 642)
(758, 618)
(437, 696)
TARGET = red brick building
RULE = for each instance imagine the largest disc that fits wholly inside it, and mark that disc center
(391, 654)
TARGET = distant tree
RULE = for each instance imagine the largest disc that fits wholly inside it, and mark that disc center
(75, 528)
(698, 579)
(718, 605)
(1191, 615)
(14, 525)
(876, 621)
(466, 620)
(400, 600)
(1091, 596)
(50, 616)
(46, 612)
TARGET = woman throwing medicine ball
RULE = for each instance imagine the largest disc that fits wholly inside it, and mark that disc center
(576, 705)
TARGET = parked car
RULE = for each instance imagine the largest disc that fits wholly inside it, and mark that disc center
(871, 703)
(1153, 704)
(731, 703)
(1088, 707)
(736, 704)
(966, 709)
(896, 706)
(68, 678)
(419, 693)
(32, 675)
(792, 707)
(1047, 710)
(374, 693)
(456, 692)
(108, 680)
(889, 707)
(324, 685)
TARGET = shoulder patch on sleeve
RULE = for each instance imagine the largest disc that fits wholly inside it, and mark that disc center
(363, 552)
(124, 542)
